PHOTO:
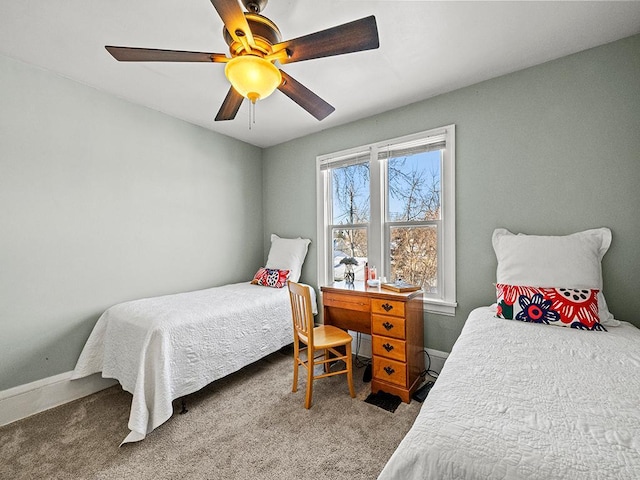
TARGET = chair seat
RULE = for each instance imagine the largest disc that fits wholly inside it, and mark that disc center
(325, 336)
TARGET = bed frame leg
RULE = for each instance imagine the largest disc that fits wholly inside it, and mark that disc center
(184, 406)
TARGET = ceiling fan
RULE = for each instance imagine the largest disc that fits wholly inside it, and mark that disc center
(255, 44)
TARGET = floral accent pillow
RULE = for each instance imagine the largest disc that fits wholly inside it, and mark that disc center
(564, 307)
(271, 277)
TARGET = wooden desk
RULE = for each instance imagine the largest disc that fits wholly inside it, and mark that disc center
(396, 325)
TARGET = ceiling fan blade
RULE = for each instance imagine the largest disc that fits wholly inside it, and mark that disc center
(304, 97)
(230, 106)
(132, 54)
(351, 37)
(234, 20)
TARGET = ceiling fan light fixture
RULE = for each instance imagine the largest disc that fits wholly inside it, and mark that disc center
(252, 76)
(255, 46)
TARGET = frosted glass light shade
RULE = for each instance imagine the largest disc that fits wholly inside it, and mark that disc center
(253, 77)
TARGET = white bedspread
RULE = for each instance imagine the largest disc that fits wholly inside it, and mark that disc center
(518, 400)
(162, 348)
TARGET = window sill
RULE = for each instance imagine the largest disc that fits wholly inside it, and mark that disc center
(440, 307)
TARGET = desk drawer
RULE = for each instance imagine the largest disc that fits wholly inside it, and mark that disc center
(347, 302)
(390, 371)
(387, 307)
(389, 347)
(388, 326)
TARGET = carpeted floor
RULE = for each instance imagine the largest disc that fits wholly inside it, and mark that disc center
(246, 426)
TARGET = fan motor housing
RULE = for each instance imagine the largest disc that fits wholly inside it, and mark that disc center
(265, 34)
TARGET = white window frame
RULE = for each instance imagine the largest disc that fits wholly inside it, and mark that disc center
(445, 302)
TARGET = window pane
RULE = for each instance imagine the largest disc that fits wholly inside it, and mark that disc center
(414, 256)
(414, 187)
(349, 243)
(350, 192)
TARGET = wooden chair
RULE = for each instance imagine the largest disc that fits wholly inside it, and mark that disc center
(323, 338)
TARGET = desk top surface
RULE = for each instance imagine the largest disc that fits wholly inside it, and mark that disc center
(361, 288)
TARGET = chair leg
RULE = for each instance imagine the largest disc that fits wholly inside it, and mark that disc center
(310, 368)
(295, 375)
(295, 367)
(352, 391)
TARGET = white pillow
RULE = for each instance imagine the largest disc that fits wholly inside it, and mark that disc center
(288, 254)
(570, 261)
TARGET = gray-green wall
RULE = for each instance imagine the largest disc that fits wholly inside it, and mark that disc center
(102, 201)
(552, 149)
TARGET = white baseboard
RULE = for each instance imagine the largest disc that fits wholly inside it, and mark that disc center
(364, 350)
(35, 397)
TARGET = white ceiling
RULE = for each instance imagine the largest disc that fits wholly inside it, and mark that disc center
(426, 48)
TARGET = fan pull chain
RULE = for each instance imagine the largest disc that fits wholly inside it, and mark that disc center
(252, 114)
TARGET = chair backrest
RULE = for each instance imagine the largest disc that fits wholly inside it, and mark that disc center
(301, 312)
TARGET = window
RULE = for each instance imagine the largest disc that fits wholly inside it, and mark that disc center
(391, 205)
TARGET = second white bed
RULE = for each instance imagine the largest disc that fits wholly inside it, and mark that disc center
(519, 400)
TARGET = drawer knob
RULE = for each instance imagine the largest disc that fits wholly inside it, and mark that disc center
(387, 325)
(387, 347)
(389, 370)
(387, 308)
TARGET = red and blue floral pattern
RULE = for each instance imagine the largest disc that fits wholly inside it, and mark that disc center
(565, 307)
(271, 277)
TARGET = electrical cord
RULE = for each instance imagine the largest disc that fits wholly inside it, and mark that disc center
(428, 371)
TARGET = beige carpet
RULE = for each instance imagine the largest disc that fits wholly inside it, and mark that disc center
(246, 426)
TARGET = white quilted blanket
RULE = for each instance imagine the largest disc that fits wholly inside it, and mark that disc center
(518, 400)
(162, 348)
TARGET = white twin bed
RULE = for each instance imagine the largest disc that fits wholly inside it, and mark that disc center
(517, 400)
(527, 400)
(163, 348)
